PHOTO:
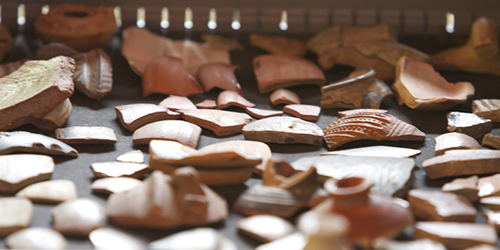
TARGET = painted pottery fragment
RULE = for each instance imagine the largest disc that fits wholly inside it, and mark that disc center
(114, 185)
(199, 238)
(303, 111)
(207, 104)
(78, 217)
(376, 151)
(7, 68)
(164, 202)
(461, 162)
(456, 235)
(21, 170)
(431, 205)
(385, 244)
(469, 124)
(134, 156)
(489, 186)
(36, 238)
(228, 98)
(493, 219)
(56, 118)
(174, 102)
(265, 228)
(362, 90)
(492, 202)
(119, 169)
(274, 72)
(491, 141)
(218, 75)
(134, 116)
(466, 187)
(107, 238)
(419, 86)
(15, 214)
(295, 241)
(324, 231)
(454, 140)
(22, 141)
(366, 124)
(34, 90)
(86, 135)
(284, 96)
(221, 122)
(53, 191)
(50, 50)
(93, 73)
(487, 108)
(221, 42)
(263, 113)
(6, 41)
(279, 45)
(184, 132)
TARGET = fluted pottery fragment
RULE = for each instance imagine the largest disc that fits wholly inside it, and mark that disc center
(174, 102)
(93, 73)
(218, 75)
(221, 122)
(175, 130)
(454, 140)
(21, 141)
(86, 135)
(279, 45)
(284, 96)
(6, 41)
(466, 187)
(491, 141)
(431, 205)
(134, 116)
(418, 86)
(487, 108)
(469, 124)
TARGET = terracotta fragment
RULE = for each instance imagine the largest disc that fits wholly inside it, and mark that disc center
(34, 90)
(492, 202)
(228, 98)
(376, 151)
(6, 41)
(455, 235)
(164, 202)
(114, 185)
(493, 219)
(207, 104)
(361, 90)
(16, 214)
(491, 141)
(206, 239)
(489, 186)
(167, 75)
(263, 113)
(274, 72)
(469, 124)
(324, 231)
(36, 238)
(265, 228)
(487, 108)
(56, 118)
(93, 73)
(385, 244)
(134, 156)
(284, 96)
(462, 162)
(107, 238)
(420, 87)
(174, 102)
(466, 187)
(78, 217)
(218, 75)
(134, 116)
(295, 241)
(50, 50)
(222, 42)
(454, 140)
(284, 130)
(21, 170)
(21, 141)
(439, 206)
(119, 169)
(279, 45)
(303, 111)
(7, 68)
(53, 191)
(366, 124)
(86, 135)
(221, 122)
(184, 132)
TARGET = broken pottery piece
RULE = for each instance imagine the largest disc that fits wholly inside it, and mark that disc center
(385, 244)
(134, 156)
(21, 170)
(324, 231)
(114, 185)
(36, 238)
(50, 50)
(134, 116)
(56, 118)
(78, 217)
(86, 135)
(265, 228)
(119, 169)
(279, 45)
(274, 72)
(492, 202)
(107, 238)
(263, 113)
(362, 90)
(391, 176)
(284, 130)
(221, 122)
(174, 102)
(366, 124)
(222, 42)
(431, 205)
(487, 108)
(206, 239)
(493, 219)
(207, 104)
(167, 75)
(491, 141)
(284, 96)
(466, 187)
(295, 241)
(454, 140)
(228, 98)
(483, 247)
(469, 124)
(6, 41)
(489, 186)
(53, 191)
(34, 90)
(376, 151)
(303, 111)
(93, 73)
(16, 214)
(7, 68)
(21, 141)
(218, 75)
(419, 86)
(460, 162)
(455, 235)
(165, 202)
(184, 132)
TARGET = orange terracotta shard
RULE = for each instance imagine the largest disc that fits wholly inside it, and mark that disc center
(303, 111)
(222, 43)
(174, 102)
(134, 116)
(263, 113)
(172, 130)
(284, 96)
(231, 98)
(221, 122)
(207, 104)
(218, 75)
(279, 45)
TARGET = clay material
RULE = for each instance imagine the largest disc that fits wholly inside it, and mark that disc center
(221, 122)
(134, 156)
(487, 108)
(469, 124)
(303, 111)
(93, 73)
(489, 186)
(53, 191)
(284, 96)
(265, 228)
(491, 141)
(324, 231)
(218, 75)
(36, 238)
(21, 141)
(78, 217)
(223, 43)
(174, 102)
(439, 206)
(107, 238)
(56, 118)
(114, 185)
(181, 131)
(263, 113)
(491, 202)
(385, 244)
(20, 170)
(229, 98)
(6, 41)
(134, 116)
(16, 214)
(86, 135)
(376, 151)
(207, 104)
(279, 45)
(295, 241)
(119, 169)
(206, 239)
(50, 50)
(493, 220)
(466, 187)
(454, 140)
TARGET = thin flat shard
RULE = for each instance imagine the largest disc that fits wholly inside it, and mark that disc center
(303, 111)
(207, 104)
(78, 217)
(53, 191)
(229, 98)
(469, 124)
(119, 169)
(21, 170)
(218, 75)
(56, 118)
(487, 108)
(134, 116)
(385, 244)
(36, 238)
(174, 102)
(279, 45)
(15, 214)
(206, 239)
(134, 156)
(86, 135)
(284, 96)
(466, 187)
(265, 228)
(263, 113)
(376, 151)
(221, 122)
(181, 131)
(431, 205)
(21, 141)
(489, 186)
(454, 140)
(107, 238)
(491, 141)
(114, 185)
(93, 74)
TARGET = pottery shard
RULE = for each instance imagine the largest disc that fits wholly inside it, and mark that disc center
(462, 162)
(119, 169)
(492, 202)
(78, 217)
(222, 42)
(493, 220)
(491, 141)
(107, 238)
(391, 176)
(206, 239)
(265, 228)
(54, 191)
(366, 124)
(134, 116)
(15, 214)
(21, 141)
(34, 90)
(284, 130)
(54, 49)
(93, 74)
(469, 124)
(274, 72)
(263, 113)
(454, 140)
(8, 68)
(439, 206)
(466, 187)
(207, 104)
(231, 98)
(376, 151)
(385, 244)
(21, 170)
(284, 96)
(174, 102)
(135, 156)
(174, 130)
(36, 238)
(360, 91)
(483, 247)
(221, 122)
(487, 108)
(114, 185)
(167, 75)
(489, 186)
(295, 241)
(56, 118)
(279, 45)
(164, 202)
(6, 41)
(456, 236)
(86, 135)
(218, 75)
(303, 111)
